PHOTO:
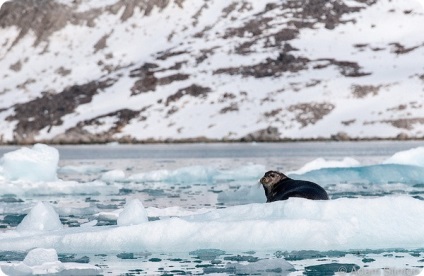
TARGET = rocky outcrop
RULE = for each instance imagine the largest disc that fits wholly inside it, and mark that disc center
(263, 135)
(47, 111)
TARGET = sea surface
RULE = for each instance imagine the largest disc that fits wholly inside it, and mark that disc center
(88, 201)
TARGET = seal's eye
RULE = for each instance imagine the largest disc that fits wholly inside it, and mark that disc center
(272, 175)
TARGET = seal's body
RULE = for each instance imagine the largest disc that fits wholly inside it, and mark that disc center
(278, 186)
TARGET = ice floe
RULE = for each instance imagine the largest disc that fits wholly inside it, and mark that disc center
(42, 217)
(133, 213)
(204, 174)
(40, 261)
(113, 175)
(403, 167)
(295, 224)
(321, 163)
(413, 157)
(38, 163)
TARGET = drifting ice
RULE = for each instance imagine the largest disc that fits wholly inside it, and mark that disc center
(413, 157)
(36, 164)
(112, 176)
(40, 261)
(295, 224)
(133, 213)
(41, 218)
(321, 163)
(200, 174)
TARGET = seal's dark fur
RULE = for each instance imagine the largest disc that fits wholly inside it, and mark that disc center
(280, 187)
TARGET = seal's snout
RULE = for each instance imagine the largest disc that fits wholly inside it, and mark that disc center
(264, 180)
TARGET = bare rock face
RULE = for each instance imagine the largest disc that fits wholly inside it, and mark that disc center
(43, 17)
(48, 110)
(340, 136)
(267, 134)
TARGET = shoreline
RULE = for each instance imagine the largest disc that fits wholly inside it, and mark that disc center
(203, 140)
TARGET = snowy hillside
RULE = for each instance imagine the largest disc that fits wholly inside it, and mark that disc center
(164, 70)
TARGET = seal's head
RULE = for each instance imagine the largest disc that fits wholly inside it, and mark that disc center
(271, 178)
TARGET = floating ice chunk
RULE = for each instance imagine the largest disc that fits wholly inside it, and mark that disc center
(38, 163)
(42, 217)
(133, 213)
(108, 216)
(413, 156)
(280, 266)
(39, 256)
(321, 163)
(89, 224)
(112, 176)
(37, 262)
(40, 261)
(153, 176)
(82, 169)
(374, 174)
(202, 174)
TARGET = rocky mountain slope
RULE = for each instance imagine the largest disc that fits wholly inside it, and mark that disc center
(77, 71)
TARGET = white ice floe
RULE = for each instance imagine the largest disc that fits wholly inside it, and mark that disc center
(261, 267)
(133, 213)
(295, 224)
(403, 167)
(42, 217)
(413, 157)
(113, 175)
(40, 261)
(38, 163)
(321, 163)
(373, 174)
(81, 169)
(202, 174)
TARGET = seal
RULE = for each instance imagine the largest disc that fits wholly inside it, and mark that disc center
(278, 186)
